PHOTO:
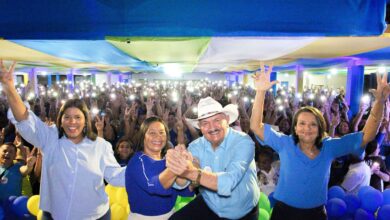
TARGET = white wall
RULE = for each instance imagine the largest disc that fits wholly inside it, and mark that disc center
(187, 76)
(288, 78)
(329, 80)
(101, 78)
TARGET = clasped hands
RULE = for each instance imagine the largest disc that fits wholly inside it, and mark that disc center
(180, 162)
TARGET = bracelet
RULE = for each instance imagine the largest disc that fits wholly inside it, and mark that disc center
(196, 183)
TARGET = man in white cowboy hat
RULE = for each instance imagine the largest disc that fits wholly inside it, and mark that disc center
(225, 170)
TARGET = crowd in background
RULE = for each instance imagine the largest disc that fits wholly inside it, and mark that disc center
(119, 110)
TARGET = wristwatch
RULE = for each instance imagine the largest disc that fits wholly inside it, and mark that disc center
(196, 183)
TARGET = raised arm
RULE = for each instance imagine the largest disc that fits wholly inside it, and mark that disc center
(356, 120)
(381, 94)
(15, 102)
(262, 83)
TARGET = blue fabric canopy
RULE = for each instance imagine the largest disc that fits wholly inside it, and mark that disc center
(88, 19)
(96, 51)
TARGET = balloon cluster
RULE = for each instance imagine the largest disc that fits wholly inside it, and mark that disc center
(265, 206)
(20, 207)
(368, 204)
(23, 207)
(119, 204)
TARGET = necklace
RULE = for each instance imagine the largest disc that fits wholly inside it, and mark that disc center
(309, 152)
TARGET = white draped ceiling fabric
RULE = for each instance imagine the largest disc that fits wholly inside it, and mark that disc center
(224, 52)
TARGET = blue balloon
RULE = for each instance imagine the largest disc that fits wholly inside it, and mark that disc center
(19, 206)
(386, 197)
(271, 199)
(336, 192)
(7, 203)
(347, 217)
(384, 213)
(362, 214)
(373, 199)
(363, 190)
(336, 207)
(29, 217)
(344, 217)
(352, 202)
(2, 213)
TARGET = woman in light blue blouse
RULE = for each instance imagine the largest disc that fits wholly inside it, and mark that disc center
(307, 154)
(75, 161)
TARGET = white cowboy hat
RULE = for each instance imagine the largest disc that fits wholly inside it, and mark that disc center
(208, 107)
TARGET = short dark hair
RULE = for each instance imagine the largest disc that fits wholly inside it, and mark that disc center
(79, 104)
(265, 151)
(9, 144)
(123, 139)
(144, 128)
(371, 147)
(320, 122)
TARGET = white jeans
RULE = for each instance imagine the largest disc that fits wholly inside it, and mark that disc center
(136, 216)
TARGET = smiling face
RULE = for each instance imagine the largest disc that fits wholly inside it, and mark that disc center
(155, 139)
(73, 123)
(343, 128)
(307, 128)
(7, 154)
(214, 128)
(124, 150)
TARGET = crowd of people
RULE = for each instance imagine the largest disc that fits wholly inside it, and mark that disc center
(160, 139)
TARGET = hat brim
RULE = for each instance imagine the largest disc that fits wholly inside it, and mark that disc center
(230, 110)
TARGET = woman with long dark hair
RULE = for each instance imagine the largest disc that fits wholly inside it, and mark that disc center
(148, 181)
(75, 160)
(307, 154)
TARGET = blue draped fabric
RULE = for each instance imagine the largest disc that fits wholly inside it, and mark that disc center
(98, 51)
(88, 19)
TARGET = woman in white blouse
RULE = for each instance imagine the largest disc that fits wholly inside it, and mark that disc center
(75, 160)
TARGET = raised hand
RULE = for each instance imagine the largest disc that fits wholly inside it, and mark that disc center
(6, 74)
(382, 90)
(31, 158)
(188, 100)
(335, 119)
(262, 80)
(364, 106)
(99, 124)
(149, 103)
(166, 115)
(127, 114)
